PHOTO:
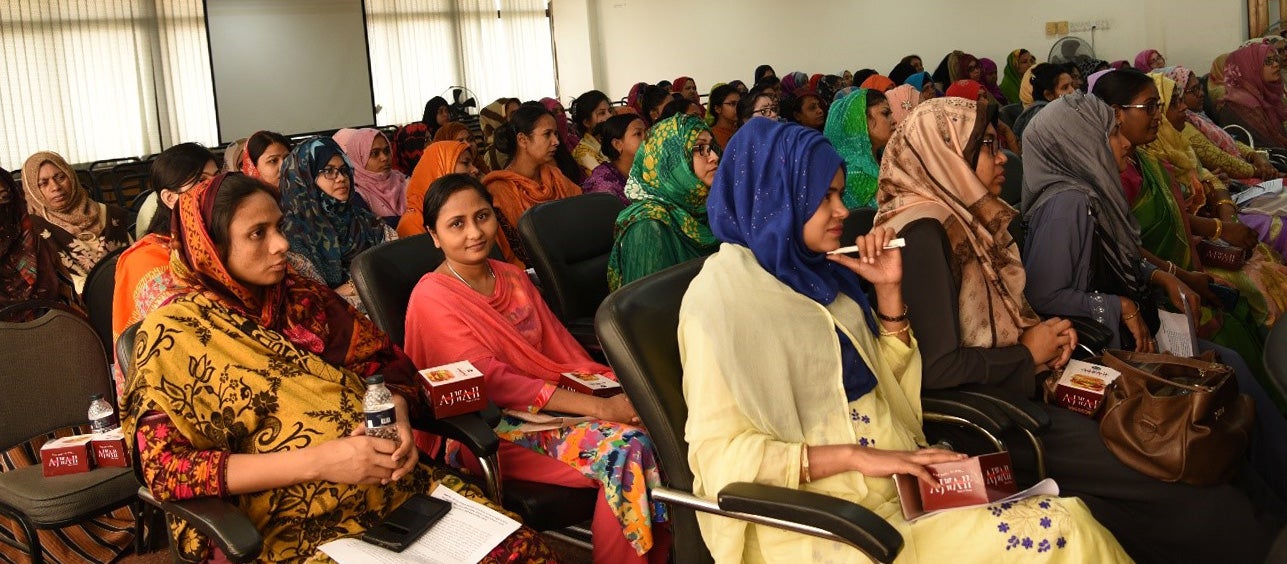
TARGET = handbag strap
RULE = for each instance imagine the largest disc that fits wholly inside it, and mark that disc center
(1127, 363)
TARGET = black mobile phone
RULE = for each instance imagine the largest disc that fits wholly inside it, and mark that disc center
(1228, 296)
(406, 523)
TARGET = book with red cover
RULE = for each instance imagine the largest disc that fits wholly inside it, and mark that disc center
(591, 384)
(453, 389)
(974, 481)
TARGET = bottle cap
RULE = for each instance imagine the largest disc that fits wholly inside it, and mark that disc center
(95, 397)
(375, 379)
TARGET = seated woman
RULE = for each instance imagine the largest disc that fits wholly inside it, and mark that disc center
(588, 111)
(31, 267)
(724, 101)
(680, 105)
(1216, 149)
(1051, 82)
(272, 348)
(922, 82)
(974, 90)
(902, 100)
(383, 189)
(859, 126)
(529, 139)
(621, 137)
(989, 81)
(907, 66)
(1215, 86)
(965, 301)
(489, 313)
(440, 159)
(143, 279)
(757, 103)
(83, 231)
(262, 156)
(1253, 95)
(652, 101)
(805, 108)
(815, 389)
(666, 223)
(1094, 265)
(687, 89)
(879, 83)
(456, 131)
(490, 120)
(327, 223)
(1017, 64)
(411, 139)
(1149, 60)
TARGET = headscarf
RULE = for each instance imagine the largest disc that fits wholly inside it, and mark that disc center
(1245, 86)
(1141, 60)
(247, 164)
(439, 160)
(490, 119)
(919, 80)
(792, 82)
(1088, 67)
(989, 68)
(946, 70)
(82, 217)
(926, 174)
(1216, 134)
(847, 130)
(327, 232)
(1170, 146)
(567, 137)
(1119, 65)
(962, 69)
(862, 75)
(680, 84)
(385, 192)
(813, 81)
(1215, 82)
(430, 117)
(1010, 82)
(762, 71)
(965, 88)
(662, 184)
(1066, 148)
(774, 179)
(827, 88)
(408, 144)
(1094, 77)
(902, 100)
(29, 266)
(878, 83)
(449, 132)
(845, 92)
(1025, 89)
(902, 71)
(634, 100)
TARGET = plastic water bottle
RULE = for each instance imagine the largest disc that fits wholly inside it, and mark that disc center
(381, 417)
(102, 418)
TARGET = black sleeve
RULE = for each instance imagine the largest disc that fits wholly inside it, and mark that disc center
(930, 291)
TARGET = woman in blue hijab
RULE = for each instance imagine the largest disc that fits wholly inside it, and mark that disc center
(793, 379)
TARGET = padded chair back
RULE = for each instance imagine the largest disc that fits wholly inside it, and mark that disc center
(100, 285)
(1009, 113)
(637, 326)
(1012, 189)
(385, 275)
(49, 367)
(1276, 353)
(858, 223)
(568, 242)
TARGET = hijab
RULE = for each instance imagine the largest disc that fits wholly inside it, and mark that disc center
(567, 138)
(327, 232)
(385, 192)
(430, 117)
(82, 217)
(1170, 146)
(878, 83)
(29, 266)
(1010, 82)
(965, 88)
(1141, 60)
(438, 160)
(1216, 134)
(989, 68)
(1088, 68)
(845, 92)
(763, 71)
(902, 71)
(1094, 77)
(918, 80)
(792, 82)
(926, 174)
(902, 100)
(1245, 86)
(662, 185)
(946, 70)
(450, 131)
(1065, 148)
(1025, 89)
(962, 69)
(634, 100)
(847, 130)
(774, 178)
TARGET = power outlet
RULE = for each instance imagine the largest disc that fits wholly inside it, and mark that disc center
(1052, 28)
(1063, 28)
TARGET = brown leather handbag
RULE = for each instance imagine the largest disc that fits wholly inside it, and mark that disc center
(1176, 419)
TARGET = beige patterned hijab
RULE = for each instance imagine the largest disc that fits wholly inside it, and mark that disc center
(924, 174)
(82, 216)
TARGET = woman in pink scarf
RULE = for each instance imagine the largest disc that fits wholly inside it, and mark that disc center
(989, 80)
(383, 188)
(1253, 95)
(1149, 60)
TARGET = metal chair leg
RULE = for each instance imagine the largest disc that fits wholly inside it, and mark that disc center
(491, 476)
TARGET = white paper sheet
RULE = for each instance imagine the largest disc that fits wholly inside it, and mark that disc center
(1268, 187)
(466, 534)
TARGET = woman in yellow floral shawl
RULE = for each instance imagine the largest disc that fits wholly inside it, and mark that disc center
(668, 183)
(250, 387)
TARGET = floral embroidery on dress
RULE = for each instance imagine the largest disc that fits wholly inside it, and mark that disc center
(1032, 524)
(861, 420)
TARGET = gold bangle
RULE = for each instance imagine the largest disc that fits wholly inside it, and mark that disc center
(1170, 267)
(1226, 201)
(907, 326)
(804, 464)
(1126, 318)
(1219, 229)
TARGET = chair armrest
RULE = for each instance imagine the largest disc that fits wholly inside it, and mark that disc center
(847, 520)
(1094, 335)
(219, 520)
(979, 411)
(1024, 412)
(469, 429)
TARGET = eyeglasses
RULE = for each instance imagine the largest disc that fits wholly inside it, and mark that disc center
(1195, 89)
(733, 103)
(990, 143)
(703, 150)
(333, 172)
(1272, 61)
(1152, 107)
(766, 111)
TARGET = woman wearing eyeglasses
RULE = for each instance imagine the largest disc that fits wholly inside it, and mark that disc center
(384, 189)
(325, 220)
(1253, 94)
(723, 104)
(668, 183)
(758, 103)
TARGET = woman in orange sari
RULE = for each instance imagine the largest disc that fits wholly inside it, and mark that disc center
(531, 177)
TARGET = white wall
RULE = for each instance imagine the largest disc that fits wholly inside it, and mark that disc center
(611, 44)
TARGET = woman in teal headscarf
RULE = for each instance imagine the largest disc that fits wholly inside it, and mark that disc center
(859, 126)
(668, 183)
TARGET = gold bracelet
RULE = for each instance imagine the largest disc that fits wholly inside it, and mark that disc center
(907, 326)
(1170, 267)
(1131, 316)
(892, 319)
(1219, 229)
(804, 464)
(1226, 201)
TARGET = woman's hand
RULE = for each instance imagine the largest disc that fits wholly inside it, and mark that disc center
(878, 462)
(356, 459)
(1199, 282)
(406, 455)
(347, 290)
(879, 266)
(617, 408)
(1182, 297)
(1240, 235)
(1049, 340)
(1134, 323)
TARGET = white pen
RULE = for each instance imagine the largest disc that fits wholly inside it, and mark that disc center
(892, 244)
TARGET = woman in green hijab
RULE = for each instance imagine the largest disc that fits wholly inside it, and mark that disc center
(668, 183)
(859, 126)
(1019, 61)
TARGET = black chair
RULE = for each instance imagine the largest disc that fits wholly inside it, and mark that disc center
(100, 286)
(51, 366)
(218, 519)
(637, 326)
(385, 276)
(568, 242)
(1009, 113)
(1012, 189)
